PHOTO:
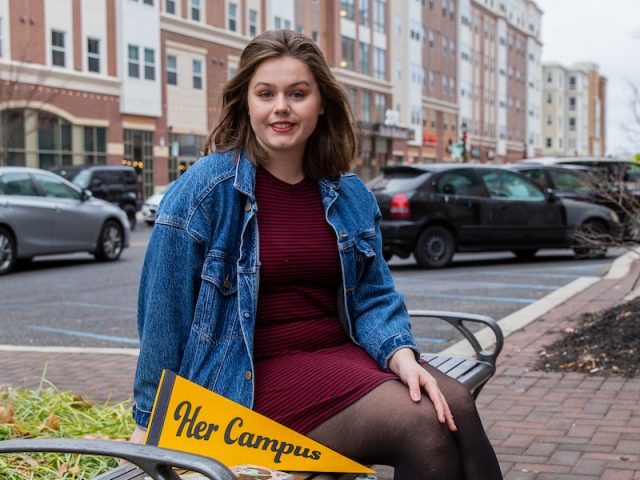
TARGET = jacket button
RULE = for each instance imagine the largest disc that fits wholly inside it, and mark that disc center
(227, 282)
(247, 207)
(246, 315)
(248, 375)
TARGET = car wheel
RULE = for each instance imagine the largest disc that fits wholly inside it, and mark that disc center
(435, 247)
(150, 223)
(590, 240)
(526, 253)
(110, 242)
(7, 251)
(131, 215)
(386, 254)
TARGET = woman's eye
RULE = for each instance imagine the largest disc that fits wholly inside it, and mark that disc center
(264, 94)
(297, 94)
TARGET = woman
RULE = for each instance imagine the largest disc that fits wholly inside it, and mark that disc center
(264, 281)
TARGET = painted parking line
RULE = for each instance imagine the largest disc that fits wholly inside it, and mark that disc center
(95, 336)
(523, 286)
(430, 340)
(480, 298)
(533, 274)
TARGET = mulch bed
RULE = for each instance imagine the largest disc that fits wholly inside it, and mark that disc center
(600, 343)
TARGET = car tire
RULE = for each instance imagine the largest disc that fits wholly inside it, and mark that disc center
(110, 242)
(525, 253)
(586, 248)
(387, 255)
(7, 251)
(150, 223)
(435, 247)
(131, 216)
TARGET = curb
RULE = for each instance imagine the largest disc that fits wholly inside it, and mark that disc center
(516, 320)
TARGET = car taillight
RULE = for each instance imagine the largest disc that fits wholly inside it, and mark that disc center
(400, 206)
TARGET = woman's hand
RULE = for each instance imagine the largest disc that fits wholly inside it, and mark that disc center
(137, 436)
(403, 363)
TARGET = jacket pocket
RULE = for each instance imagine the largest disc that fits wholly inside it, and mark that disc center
(217, 306)
(364, 253)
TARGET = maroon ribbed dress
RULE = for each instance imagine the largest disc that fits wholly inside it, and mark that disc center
(306, 367)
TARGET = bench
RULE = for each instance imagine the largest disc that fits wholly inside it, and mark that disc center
(159, 463)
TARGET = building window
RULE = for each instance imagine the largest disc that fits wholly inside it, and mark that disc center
(445, 49)
(195, 10)
(148, 2)
(253, 23)
(445, 85)
(149, 64)
(549, 99)
(365, 114)
(452, 86)
(197, 74)
(138, 149)
(397, 68)
(432, 80)
(277, 22)
(348, 53)
(379, 64)
(572, 124)
(380, 106)
(134, 61)
(347, 9)
(57, 48)
(95, 145)
(12, 136)
(432, 41)
(549, 142)
(365, 67)
(93, 55)
(364, 12)
(172, 70)
(170, 6)
(54, 141)
(572, 82)
(233, 17)
(351, 95)
(549, 120)
(572, 103)
(378, 16)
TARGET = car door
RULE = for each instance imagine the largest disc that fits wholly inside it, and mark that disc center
(459, 198)
(518, 212)
(27, 212)
(76, 223)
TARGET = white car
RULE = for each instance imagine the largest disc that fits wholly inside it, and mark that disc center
(151, 204)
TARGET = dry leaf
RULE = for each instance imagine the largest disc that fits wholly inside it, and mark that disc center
(51, 423)
(6, 414)
(569, 330)
(64, 468)
(32, 462)
(74, 470)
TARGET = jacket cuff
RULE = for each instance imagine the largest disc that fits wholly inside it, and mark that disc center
(141, 417)
(392, 345)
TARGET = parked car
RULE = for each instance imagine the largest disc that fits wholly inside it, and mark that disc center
(435, 210)
(43, 214)
(611, 182)
(151, 204)
(113, 183)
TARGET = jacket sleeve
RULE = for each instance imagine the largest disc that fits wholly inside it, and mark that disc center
(381, 320)
(169, 286)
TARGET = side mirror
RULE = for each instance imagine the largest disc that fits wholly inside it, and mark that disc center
(550, 195)
(86, 195)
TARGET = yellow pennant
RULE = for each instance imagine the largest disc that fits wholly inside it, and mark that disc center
(192, 419)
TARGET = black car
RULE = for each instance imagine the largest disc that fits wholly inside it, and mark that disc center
(113, 183)
(596, 183)
(435, 210)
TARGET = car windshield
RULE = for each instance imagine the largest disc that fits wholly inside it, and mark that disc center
(82, 179)
(398, 180)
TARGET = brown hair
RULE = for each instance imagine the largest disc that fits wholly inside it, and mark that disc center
(331, 147)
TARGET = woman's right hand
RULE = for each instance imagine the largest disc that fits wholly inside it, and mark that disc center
(137, 436)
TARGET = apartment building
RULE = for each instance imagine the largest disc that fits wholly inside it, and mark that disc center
(574, 102)
(499, 76)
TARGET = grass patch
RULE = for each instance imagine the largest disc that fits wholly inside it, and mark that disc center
(49, 413)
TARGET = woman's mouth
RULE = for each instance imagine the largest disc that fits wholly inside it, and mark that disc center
(282, 127)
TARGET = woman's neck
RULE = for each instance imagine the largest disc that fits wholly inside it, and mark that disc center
(287, 170)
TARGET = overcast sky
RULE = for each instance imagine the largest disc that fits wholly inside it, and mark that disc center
(606, 32)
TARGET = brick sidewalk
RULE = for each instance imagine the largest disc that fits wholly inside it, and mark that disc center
(560, 426)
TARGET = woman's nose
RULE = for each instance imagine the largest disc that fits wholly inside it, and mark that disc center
(282, 105)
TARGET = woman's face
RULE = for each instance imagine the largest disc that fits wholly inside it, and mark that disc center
(284, 105)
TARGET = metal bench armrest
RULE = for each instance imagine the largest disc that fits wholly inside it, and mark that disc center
(156, 462)
(457, 320)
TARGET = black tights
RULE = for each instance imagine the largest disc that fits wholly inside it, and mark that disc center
(385, 427)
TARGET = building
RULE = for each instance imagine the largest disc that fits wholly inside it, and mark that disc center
(574, 102)
(500, 73)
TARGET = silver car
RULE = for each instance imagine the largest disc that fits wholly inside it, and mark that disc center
(41, 213)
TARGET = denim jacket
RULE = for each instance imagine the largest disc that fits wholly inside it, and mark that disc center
(200, 280)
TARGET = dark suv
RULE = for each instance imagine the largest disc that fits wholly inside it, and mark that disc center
(113, 183)
(435, 210)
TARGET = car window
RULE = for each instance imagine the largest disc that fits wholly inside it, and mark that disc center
(569, 182)
(535, 174)
(54, 188)
(82, 179)
(18, 184)
(129, 177)
(397, 180)
(458, 182)
(503, 184)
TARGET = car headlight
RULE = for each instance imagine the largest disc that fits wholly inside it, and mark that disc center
(614, 217)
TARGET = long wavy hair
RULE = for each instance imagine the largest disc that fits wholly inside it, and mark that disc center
(330, 149)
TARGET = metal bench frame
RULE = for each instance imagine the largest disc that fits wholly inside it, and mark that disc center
(158, 463)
